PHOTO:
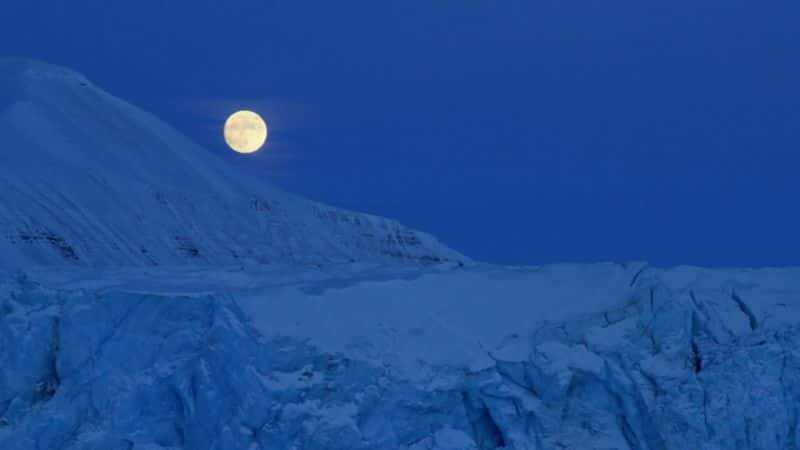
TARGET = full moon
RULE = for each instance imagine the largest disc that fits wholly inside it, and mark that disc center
(245, 131)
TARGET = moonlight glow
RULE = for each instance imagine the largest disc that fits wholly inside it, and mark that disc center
(245, 131)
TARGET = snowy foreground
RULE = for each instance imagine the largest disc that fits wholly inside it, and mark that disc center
(153, 298)
(381, 357)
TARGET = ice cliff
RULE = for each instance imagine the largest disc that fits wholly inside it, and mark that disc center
(685, 358)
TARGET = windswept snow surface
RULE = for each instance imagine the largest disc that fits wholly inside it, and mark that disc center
(153, 299)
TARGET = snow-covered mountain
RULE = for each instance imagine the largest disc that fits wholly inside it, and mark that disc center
(151, 299)
(87, 179)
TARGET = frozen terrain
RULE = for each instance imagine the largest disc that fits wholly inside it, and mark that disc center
(253, 319)
(89, 180)
(377, 357)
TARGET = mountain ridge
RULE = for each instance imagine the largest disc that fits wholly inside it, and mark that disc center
(89, 179)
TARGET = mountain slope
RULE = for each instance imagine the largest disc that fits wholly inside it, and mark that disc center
(87, 179)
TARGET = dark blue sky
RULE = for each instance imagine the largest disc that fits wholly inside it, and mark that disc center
(516, 131)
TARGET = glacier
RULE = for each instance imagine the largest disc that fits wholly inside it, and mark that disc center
(151, 298)
(621, 357)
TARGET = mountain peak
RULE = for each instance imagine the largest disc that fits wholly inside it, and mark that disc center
(39, 70)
